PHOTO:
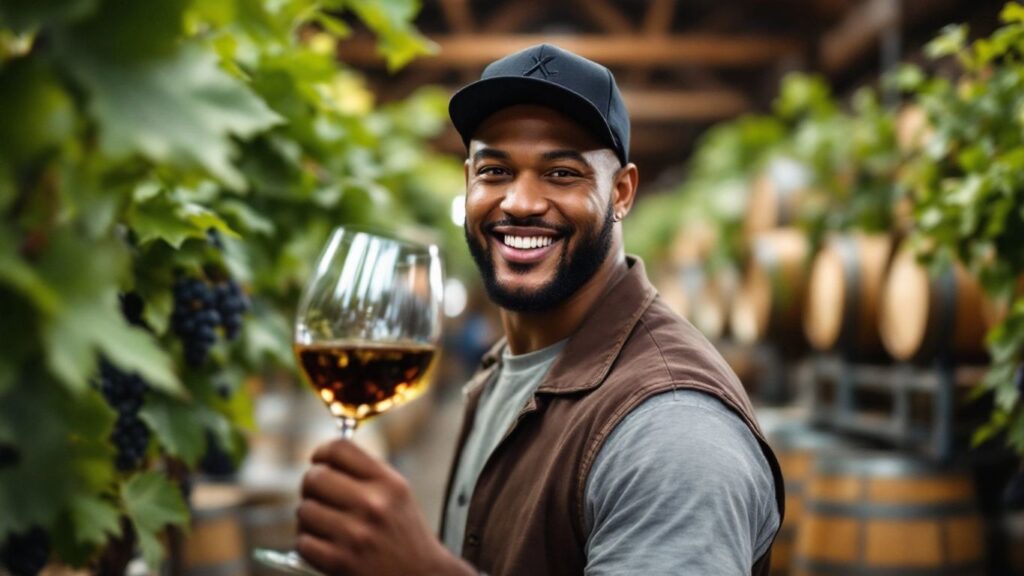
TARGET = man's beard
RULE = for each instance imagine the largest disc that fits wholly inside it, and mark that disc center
(572, 271)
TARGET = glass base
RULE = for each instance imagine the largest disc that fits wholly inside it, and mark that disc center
(285, 562)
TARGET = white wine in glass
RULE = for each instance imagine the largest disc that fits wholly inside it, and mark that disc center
(367, 332)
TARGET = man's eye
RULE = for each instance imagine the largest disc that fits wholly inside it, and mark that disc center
(492, 171)
(563, 173)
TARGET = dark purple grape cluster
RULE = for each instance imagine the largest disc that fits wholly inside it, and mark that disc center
(25, 553)
(8, 456)
(232, 303)
(216, 460)
(195, 318)
(132, 307)
(125, 393)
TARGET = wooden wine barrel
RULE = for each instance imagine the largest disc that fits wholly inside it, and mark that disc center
(924, 317)
(775, 197)
(770, 301)
(888, 515)
(843, 295)
(215, 546)
(692, 243)
(681, 287)
(797, 446)
(711, 302)
(1013, 529)
(913, 130)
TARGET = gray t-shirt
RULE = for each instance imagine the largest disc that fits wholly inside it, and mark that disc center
(499, 404)
(701, 503)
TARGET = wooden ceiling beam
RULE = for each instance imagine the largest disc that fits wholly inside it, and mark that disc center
(681, 105)
(645, 141)
(650, 105)
(858, 33)
(477, 50)
(458, 15)
(510, 17)
(605, 16)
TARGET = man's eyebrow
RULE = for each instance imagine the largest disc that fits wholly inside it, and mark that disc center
(492, 153)
(564, 155)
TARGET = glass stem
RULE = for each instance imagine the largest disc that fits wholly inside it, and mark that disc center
(347, 426)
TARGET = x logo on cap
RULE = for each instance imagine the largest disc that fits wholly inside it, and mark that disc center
(541, 65)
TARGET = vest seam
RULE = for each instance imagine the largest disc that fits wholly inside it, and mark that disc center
(661, 353)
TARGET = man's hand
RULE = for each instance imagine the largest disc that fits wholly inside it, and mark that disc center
(358, 517)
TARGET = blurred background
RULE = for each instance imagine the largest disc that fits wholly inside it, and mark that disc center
(832, 191)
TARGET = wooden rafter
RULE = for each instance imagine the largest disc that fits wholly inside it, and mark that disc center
(683, 105)
(510, 17)
(858, 33)
(476, 50)
(458, 15)
(606, 16)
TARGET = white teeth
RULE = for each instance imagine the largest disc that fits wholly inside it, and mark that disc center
(527, 242)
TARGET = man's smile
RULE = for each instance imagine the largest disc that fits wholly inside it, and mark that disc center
(524, 244)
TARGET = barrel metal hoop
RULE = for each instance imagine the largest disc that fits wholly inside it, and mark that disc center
(836, 569)
(870, 510)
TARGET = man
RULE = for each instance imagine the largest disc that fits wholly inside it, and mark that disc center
(603, 435)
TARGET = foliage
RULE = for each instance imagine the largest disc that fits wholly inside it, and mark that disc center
(968, 187)
(718, 176)
(143, 142)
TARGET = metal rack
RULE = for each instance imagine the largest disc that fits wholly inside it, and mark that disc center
(921, 409)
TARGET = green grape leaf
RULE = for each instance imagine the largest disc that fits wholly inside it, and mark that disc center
(26, 15)
(246, 218)
(157, 219)
(94, 519)
(177, 425)
(34, 490)
(90, 422)
(952, 40)
(181, 110)
(168, 217)
(22, 278)
(38, 113)
(89, 319)
(153, 502)
(397, 40)
(1012, 12)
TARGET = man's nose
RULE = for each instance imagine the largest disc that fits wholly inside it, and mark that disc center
(524, 197)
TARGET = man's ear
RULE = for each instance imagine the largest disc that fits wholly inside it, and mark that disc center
(465, 173)
(624, 189)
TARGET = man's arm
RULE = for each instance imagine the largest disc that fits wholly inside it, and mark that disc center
(358, 517)
(679, 487)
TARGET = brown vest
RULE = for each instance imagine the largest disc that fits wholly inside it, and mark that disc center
(526, 513)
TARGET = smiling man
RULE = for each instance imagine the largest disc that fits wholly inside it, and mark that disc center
(603, 434)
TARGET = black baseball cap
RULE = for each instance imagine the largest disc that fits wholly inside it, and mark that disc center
(548, 76)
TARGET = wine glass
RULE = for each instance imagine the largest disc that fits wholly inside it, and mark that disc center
(367, 332)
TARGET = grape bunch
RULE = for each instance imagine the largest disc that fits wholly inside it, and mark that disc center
(8, 456)
(231, 303)
(132, 307)
(195, 318)
(125, 393)
(25, 553)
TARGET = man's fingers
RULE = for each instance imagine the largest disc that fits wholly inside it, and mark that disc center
(331, 487)
(331, 525)
(322, 555)
(346, 456)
